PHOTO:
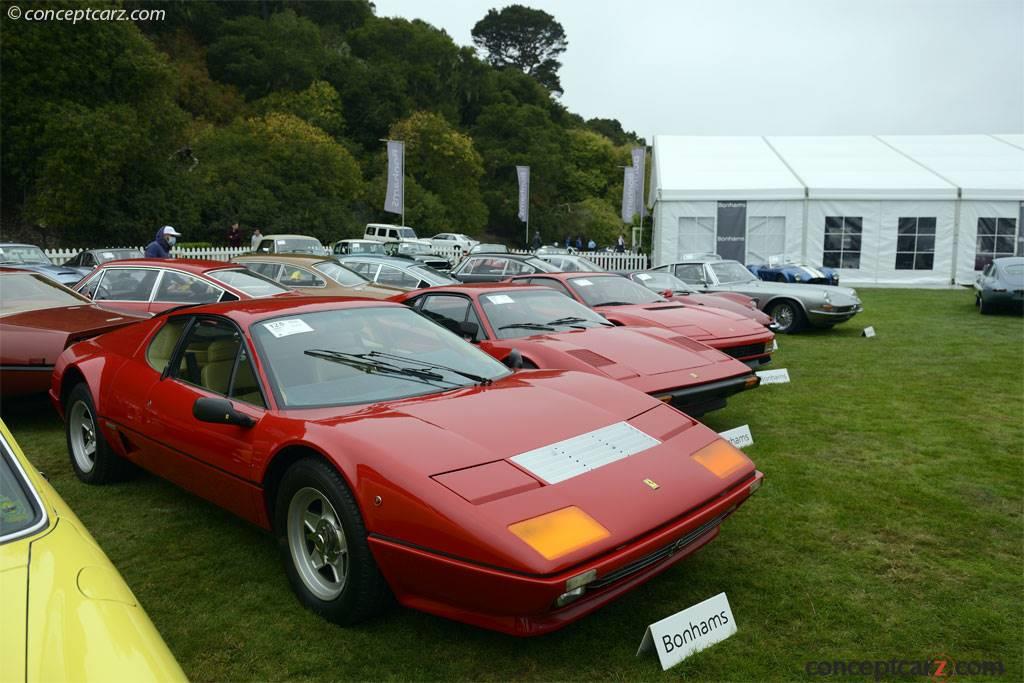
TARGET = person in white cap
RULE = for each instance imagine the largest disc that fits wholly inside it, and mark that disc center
(161, 245)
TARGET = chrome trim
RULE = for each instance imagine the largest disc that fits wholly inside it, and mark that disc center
(44, 520)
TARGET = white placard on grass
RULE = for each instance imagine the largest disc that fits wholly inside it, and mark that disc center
(694, 629)
(869, 331)
(780, 376)
(740, 437)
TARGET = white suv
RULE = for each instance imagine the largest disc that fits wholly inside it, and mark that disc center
(383, 232)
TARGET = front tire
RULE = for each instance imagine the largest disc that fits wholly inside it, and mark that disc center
(92, 458)
(787, 316)
(983, 308)
(323, 542)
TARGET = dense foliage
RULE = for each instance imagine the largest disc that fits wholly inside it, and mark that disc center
(270, 113)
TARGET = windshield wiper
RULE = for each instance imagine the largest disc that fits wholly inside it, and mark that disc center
(358, 360)
(572, 320)
(479, 379)
(528, 326)
(614, 303)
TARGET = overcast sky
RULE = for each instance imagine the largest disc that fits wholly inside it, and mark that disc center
(779, 67)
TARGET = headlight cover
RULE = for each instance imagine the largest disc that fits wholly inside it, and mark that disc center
(559, 533)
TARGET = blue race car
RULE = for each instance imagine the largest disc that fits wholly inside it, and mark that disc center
(793, 272)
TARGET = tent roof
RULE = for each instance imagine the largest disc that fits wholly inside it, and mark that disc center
(694, 168)
(839, 167)
(982, 166)
(858, 167)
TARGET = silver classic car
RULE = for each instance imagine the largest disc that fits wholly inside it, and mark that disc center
(791, 306)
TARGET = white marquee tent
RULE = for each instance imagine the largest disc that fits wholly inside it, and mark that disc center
(912, 210)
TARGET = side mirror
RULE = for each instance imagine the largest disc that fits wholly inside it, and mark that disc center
(514, 359)
(668, 293)
(219, 411)
(469, 330)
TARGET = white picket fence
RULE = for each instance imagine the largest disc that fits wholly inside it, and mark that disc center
(614, 262)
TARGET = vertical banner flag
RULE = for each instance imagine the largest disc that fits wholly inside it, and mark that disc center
(639, 159)
(395, 198)
(628, 194)
(523, 172)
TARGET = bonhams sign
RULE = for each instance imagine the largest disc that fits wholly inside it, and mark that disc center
(692, 630)
(395, 197)
(523, 173)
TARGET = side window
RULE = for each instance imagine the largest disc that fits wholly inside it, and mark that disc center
(88, 261)
(182, 288)
(265, 269)
(293, 276)
(161, 348)
(550, 284)
(126, 284)
(691, 273)
(517, 267)
(367, 270)
(211, 352)
(266, 247)
(90, 287)
(392, 234)
(371, 232)
(394, 277)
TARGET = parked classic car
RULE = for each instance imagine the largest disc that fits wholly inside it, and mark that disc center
(289, 244)
(420, 253)
(453, 240)
(389, 456)
(343, 247)
(39, 318)
(571, 263)
(395, 272)
(794, 272)
(550, 330)
(791, 307)
(672, 288)
(1000, 285)
(624, 302)
(153, 285)
(67, 613)
(498, 267)
(85, 261)
(314, 275)
(488, 248)
(30, 257)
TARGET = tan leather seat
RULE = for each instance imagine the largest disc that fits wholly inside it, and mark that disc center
(215, 374)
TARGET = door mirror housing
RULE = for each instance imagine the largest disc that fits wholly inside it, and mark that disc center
(514, 360)
(469, 330)
(219, 411)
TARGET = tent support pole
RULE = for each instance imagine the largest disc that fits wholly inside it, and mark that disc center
(956, 237)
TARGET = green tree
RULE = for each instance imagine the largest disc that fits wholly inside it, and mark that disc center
(524, 38)
(319, 105)
(279, 173)
(284, 52)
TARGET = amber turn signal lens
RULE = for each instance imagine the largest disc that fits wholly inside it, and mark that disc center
(560, 532)
(752, 382)
(721, 458)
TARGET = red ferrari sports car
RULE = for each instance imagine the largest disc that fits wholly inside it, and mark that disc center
(386, 453)
(38, 320)
(552, 331)
(625, 302)
(153, 285)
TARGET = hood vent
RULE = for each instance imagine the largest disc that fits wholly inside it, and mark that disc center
(595, 359)
(570, 458)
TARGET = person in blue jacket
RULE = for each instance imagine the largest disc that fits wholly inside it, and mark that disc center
(161, 245)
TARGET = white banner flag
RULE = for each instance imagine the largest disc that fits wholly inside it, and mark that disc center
(394, 200)
(628, 195)
(523, 172)
(639, 159)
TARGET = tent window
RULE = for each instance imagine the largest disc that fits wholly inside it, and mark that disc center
(766, 237)
(996, 237)
(915, 244)
(697, 235)
(842, 241)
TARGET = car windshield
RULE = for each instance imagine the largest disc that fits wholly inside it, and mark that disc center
(23, 253)
(340, 274)
(299, 245)
(434, 277)
(18, 509)
(729, 272)
(116, 254)
(247, 282)
(518, 313)
(580, 265)
(489, 249)
(407, 233)
(542, 265)
(612, 290)
(659, 282)
(413, 248)
(348, 356)
(31, 292)
(1014, 273)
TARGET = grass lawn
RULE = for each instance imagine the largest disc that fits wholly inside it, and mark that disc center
(889, 526)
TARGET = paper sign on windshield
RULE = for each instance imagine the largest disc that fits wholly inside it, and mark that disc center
(583, 283)
(643, 276)
(500, 299)
(286, 328)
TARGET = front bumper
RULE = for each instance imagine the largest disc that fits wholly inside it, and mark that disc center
(703, 398)
(524, 604)
(841, 314)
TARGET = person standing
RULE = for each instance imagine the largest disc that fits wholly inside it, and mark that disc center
(536, 240)
(234, 236)
(257, 237)
(161, 245)
(620, 244)
(591, 245)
